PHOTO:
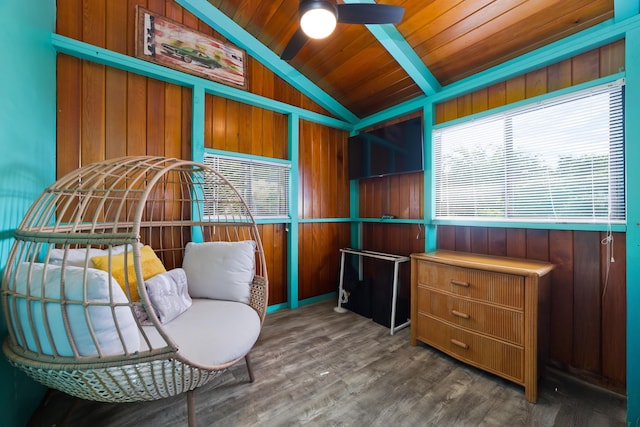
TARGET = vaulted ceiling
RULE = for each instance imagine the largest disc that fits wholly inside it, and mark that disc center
(366, 69)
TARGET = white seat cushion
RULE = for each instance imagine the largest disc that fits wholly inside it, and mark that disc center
(211, 332)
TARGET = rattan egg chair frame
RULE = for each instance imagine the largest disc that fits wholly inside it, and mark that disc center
(97, 341)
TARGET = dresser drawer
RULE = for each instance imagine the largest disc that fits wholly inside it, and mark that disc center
(506, 360)
(493, 287)
(502, 323)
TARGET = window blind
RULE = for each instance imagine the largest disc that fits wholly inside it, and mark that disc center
(559, 160)
(264, 185)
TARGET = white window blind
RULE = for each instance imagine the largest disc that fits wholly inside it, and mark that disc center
(264, 185)
(560, 160)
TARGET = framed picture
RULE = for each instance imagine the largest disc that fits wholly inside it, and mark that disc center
(173, 45)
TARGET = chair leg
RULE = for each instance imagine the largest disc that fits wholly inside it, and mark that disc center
(248, 362)
(191, 408)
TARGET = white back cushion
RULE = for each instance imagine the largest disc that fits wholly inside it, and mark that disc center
(220, 270)
(101, 318)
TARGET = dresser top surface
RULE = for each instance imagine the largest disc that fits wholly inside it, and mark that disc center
(487, 262)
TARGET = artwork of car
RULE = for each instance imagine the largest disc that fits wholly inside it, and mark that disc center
(189, 54)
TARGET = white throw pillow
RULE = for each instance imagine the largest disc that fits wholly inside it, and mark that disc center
(168, 294)
(220, 270)
(101, 318)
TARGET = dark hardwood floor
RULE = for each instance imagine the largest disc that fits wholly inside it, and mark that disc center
(316, 367)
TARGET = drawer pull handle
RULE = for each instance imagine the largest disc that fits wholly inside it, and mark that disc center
(459, 344)
(459, 283)
(460, 314)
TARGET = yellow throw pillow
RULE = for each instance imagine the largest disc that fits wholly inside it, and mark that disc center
(151, 265)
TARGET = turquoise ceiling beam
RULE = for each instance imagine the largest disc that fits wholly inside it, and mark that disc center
(220, 22)
(623, 9)
(391, 39)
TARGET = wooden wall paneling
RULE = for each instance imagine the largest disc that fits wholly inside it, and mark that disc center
(614, 311)
(497, 241)
(279, 268)
(516, 89)
(587, 301)
(155, 117)
(463, 238)
(465, 105)
(68, 117)
(173, 11)
(559, 75)
(218, 123)
(68, 18)
(268, 126)
(245, 125)
(446, 237)
(562, 305)
(232, 116)
(516, 243)
(537, 244)
(536, 83)
(305, 173)
(496, 95)
(116, 113)
(322, 200)
(174, 122)
(209, 120)
(586, 67)
(256, 132)
(612, 58)
(480, 101)
(93, 113)
(479, 240)
(136, 117)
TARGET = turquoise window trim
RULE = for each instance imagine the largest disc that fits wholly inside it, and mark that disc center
(430, 231)
(273, 220)
(536, 225)
(632, 153)
(389, 220)
(533, 100)
(320, 220)
(197, 148)
(354, 214)
(247, 156)
(103, 56)
(559, 225)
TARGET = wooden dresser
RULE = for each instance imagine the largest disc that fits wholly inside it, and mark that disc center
(490, 312)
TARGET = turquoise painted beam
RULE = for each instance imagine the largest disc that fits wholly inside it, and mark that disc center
(294, 234)
(632, 154)
(623, 9)
(391, 39)
(220, 22)
(99, 55)
(583, 41)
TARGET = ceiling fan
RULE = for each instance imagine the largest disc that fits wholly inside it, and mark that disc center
(318, 19)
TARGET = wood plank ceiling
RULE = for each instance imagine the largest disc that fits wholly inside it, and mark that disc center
(452, 38)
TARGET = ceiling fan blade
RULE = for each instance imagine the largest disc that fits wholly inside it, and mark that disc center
(296, 42)
(359, 13)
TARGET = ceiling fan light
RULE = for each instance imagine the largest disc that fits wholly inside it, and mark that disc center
(318, 23)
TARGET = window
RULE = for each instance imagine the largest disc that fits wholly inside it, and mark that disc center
(263, 184)
(560, 160)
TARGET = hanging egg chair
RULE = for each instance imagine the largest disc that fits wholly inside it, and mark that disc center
(134, 279)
